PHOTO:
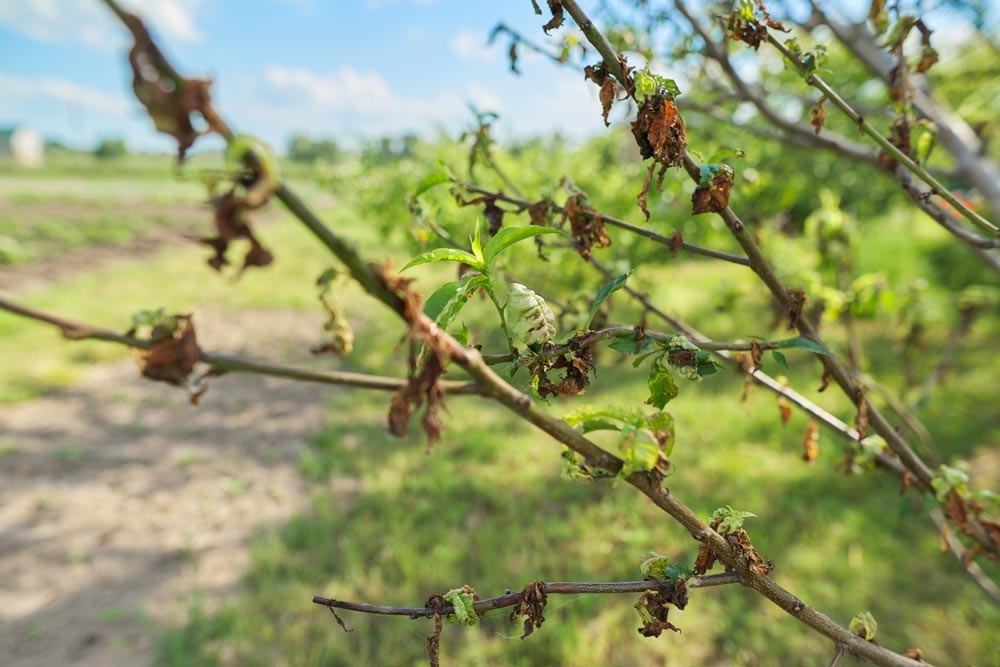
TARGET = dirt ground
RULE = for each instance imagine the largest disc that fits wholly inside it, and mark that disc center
(121, 504)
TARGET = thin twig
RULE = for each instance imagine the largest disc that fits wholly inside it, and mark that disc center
(615, 222)
(592, 337)
(901, 157)
(550, 588)
(234, 364)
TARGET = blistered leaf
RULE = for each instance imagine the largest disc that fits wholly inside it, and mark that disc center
(529, 319)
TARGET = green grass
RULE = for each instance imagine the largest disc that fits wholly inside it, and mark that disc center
(390, 523)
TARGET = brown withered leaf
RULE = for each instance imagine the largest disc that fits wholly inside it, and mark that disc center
(492, 212)
(915, 654)
(586, 225)
(810, 442)
(169, 100)
(609, 89)
(750, 32)
(555, 6)
(785, 408)
(422, 386)
(818, 114)
(173, 354)
(705, 560)
(577, 362)
(539, 212)
(659, 131)
(825, 380)
(713, 198)
(653, 608)
(899, 136)
(956, 509)
(531, 605)
(231, 224)
(741, 542)
(796, 303)
(993, 529)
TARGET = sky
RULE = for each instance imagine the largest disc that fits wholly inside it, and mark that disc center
(342, 68)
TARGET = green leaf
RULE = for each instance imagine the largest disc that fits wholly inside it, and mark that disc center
(780, 358)
(462, 335)
(725, 154)
(444, 255)
(607, 289)
(477, 244)
(662, 388)
(463, 603)
(505, 238)
(802, 343)
(647, 84)
(730, 520)
(678, 571)
(439, 299)
(447, 301)
(431, 180)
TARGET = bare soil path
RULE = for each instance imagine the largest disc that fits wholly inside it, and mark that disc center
(121, 504)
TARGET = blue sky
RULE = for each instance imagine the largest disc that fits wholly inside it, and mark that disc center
(344, 68)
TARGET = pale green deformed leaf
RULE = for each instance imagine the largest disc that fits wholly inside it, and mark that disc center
(529, 319)
(462, 601)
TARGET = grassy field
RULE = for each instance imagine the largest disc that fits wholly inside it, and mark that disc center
(393, 524)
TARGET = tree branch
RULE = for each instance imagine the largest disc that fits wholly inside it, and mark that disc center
(759, 264)
(230, 363)
(614, 222)
(550, 588)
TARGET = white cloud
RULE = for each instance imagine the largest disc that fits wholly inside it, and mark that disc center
(88, 22)
(468, 44)
(25, 93)
(350, 99)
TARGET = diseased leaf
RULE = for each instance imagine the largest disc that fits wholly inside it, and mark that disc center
(506, 238)
(529, 319)
(444, 255)
(607, 289)
(462, 600)
(864, 625)
(662, 388)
